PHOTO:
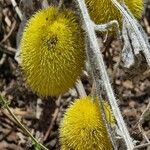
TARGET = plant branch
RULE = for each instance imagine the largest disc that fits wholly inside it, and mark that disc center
(100, 73)
(4, 104)
(105, 27)
(142, 146)
(80, 88)
(137, 33)
(18, 11)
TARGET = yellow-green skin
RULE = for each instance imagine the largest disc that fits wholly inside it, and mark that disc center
(109, 115)
(52, 51)
(103, 11)
(82, 127)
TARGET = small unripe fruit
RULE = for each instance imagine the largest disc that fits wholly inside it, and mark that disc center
(108, 112)
(103, 11)
(52, 51)
(82, 127)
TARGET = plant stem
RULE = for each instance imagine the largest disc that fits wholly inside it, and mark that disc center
(27, 132)
(135, 28)
(100, 73)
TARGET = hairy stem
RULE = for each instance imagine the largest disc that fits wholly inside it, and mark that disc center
(100, 73)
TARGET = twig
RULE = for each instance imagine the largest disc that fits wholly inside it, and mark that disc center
(18, 11)
(99, 72)
(4, 104)
(142, 146)
(8, 116)
(55, 114)
(6, 145)
(80, 88)
(146, 74)
(8, 50)
(140, 122)
(10, 32)
(38, 108)
(2, 60)
(19, 112)
(105, 27)
(51, 124)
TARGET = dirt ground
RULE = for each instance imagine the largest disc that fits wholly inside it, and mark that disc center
(42, 115)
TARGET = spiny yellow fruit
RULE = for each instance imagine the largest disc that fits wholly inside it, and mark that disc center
(82, 127)
(103, 11)
(52, 51)
(109, 115)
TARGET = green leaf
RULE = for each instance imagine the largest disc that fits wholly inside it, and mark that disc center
(37, 146)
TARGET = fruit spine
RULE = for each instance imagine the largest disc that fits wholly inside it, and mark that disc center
(82, 127)
(52, 51)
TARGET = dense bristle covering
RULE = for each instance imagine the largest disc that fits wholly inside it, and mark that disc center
(82, 127)
(103, 11)
(109, 114)
(52, 51)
